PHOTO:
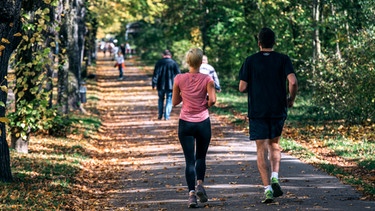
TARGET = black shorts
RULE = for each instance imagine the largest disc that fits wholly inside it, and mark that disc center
(265, 128)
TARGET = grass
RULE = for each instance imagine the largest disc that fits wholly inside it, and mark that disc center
(43, 178)
(296, 149)
(360, 151)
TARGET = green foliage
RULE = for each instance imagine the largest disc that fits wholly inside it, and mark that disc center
(59, 126)
(44, 178)
(344, 88)
(28, 119)
(361, 151)
(296, 149)
(33, 111)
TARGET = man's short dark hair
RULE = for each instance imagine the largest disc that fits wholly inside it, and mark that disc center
(167, 53)
(266, 38)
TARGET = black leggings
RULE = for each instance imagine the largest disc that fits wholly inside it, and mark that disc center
(190, 133)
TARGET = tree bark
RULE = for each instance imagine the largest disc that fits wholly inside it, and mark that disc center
(20, 145)
(316, 39)
(338, 52)
(62, 74)
(26, 56)
(10, 25)
(75, 27)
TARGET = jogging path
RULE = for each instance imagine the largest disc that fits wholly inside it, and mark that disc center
(146, 163)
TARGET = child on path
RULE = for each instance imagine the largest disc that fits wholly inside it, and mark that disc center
(120, 64)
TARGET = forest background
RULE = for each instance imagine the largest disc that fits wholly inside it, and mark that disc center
(48, 46)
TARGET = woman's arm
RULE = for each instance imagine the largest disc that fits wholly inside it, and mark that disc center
(176, 96)
(211, 94)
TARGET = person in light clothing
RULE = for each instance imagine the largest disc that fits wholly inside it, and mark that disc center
(120, 64)
(207, 69)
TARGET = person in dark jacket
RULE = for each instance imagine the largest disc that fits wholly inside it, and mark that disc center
(164, 72)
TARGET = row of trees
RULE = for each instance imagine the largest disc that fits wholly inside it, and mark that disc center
(38, 39)
(330, 42)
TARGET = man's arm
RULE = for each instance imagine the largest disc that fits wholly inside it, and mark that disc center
(216, 80)
(155, 76)
(293, 88)
(243, 86)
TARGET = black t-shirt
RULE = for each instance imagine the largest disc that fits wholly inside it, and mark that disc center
(266, 74)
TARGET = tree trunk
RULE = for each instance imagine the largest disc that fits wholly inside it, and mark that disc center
(204, 25)
(316, 39)
(27, 57)
(338, 52)
(76, 30)
(19, 144)
(10, 25)
(253, 25)
(62, 74)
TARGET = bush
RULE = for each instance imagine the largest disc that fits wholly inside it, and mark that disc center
(60, 126)
(344, 88)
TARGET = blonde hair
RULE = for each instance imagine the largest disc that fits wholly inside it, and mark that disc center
(194, 57)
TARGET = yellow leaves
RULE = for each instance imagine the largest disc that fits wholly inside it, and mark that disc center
(17, 34)
(21, 94)
(2, 47)
(4, 40)
(4, 120)
(4, 88)
(26, 38)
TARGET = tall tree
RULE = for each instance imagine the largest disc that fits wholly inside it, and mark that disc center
(10, 27)
(32, 67)
(74, 25)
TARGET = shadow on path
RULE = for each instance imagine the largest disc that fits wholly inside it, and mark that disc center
(147, 164)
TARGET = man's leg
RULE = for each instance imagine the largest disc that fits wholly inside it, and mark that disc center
(275, 157)
(168, 104)
(262, 161)
(275, 154)
(160, 103)
(264, 168)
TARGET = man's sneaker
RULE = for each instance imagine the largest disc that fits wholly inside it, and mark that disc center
(201, 193)
(276, 187)
(269, 197)
(192, 203)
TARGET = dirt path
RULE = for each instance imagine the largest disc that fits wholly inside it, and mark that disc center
(145, 165)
